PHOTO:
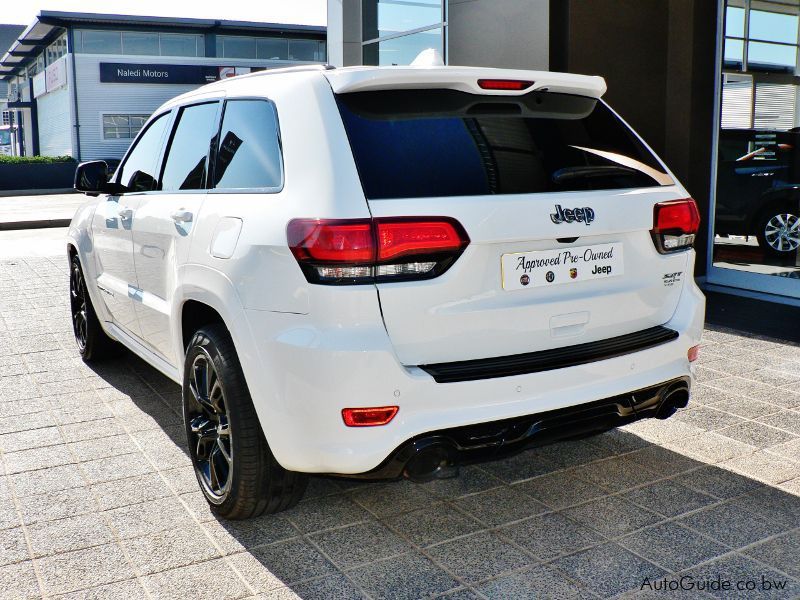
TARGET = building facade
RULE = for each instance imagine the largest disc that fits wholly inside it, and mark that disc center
(712, 85)
(84, 84)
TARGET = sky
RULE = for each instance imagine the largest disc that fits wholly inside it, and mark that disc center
(303, 12)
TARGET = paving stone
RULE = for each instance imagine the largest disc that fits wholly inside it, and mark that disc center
(616, 474)
(571, 453)
(764, 467)
(13, 546)
(772, 504)
(712, 447)
(561, 489)
(358, 544)
(104, 447)
(324, 513)
(731, 525)
(671, 546)
(130, 589)
(520, 467)
(179, 547)
(717, 482)
(781, 552)
(551, 535)
(85, 568)
(609, 569)
(26, 421)
(37, 458)
(538, 582)
(708, 419)
(392, 499)
(52, 506)
(72, 533)
(198, 582)
(756, 434)
(734, 568)
(99, 428)
(664, 461)
(21, 578)
(478, 556)
(501, 505)
(337, 586)
(434, 524)
(293, 560)
(235, 536)
(404, 577)
(116, 467)
(148, 517)
(745, 407)
(612, 516)
(787, 420)
(131, 490)
(33, 438)
(470, 480)
(668, 498)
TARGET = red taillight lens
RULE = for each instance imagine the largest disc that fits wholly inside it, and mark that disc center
(675, 224)
(693, 354)
(374, 250)
(402, 238)
(332, 241)
(504, 84)
(368, 417)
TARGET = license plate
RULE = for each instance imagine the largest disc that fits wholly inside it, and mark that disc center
(568, 265)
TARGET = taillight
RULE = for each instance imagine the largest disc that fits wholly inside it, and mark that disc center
(693, 353)
(341, 252)
(504, 84)
(368, 417)
(675, 224)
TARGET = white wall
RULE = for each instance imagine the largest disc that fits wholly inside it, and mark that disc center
(54, 117)
(510, 34)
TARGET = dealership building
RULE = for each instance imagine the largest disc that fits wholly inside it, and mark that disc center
(84, 84)
(711, 85)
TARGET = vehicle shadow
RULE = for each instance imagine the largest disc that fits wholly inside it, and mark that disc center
(602, 515)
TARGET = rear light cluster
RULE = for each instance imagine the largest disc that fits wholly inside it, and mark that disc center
(675, 224)
(357, 251)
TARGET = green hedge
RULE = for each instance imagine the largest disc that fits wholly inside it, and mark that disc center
(27, 160)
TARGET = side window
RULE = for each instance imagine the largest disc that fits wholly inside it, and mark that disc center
(138, 173)
(249, 154)
(185, 165)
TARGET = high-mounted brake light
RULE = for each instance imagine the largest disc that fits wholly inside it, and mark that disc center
(504, 84)
(675, 224)
(353, 251)
(368, 417)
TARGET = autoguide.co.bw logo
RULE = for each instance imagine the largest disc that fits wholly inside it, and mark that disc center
(718, 584)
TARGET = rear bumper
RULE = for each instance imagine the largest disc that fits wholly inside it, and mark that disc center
(439, 453)
(302, 371)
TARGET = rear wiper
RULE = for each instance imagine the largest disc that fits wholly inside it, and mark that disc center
(568, 173)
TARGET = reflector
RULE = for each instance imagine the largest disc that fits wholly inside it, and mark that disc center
(368, 417)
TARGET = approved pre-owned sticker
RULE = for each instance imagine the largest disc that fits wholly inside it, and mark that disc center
(552, 267)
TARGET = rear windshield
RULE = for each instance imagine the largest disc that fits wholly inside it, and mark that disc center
(427, 143)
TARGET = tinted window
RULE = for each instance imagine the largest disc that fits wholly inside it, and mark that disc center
(185, 165)
(140, 43)
(138, 174)
(425, 143)
(249, 153)
(101, 42)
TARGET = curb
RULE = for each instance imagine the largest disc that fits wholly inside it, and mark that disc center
(38, 224)
(12, 193)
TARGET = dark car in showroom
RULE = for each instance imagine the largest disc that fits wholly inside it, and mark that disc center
(758, 191)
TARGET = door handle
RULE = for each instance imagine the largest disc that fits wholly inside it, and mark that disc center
(126, 213)
(181, 216)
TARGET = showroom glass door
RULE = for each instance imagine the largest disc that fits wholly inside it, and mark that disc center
(755, 229)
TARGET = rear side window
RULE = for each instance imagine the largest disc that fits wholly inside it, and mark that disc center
(428, 143)
(138, 174)
(249, 154)
(185, 165)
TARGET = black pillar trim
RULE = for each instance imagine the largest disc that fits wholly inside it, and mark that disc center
(559, 35)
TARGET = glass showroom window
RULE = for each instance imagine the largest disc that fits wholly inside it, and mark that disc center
(395, 31)
(122, 127)
(138, 43)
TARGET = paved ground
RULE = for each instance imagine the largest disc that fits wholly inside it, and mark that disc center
(52, 207)
(98, 499)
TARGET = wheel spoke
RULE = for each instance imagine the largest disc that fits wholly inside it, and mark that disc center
(224, 452)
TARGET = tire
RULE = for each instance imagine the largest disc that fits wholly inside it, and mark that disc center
(778, 231)
(235, 468)
(93, 343)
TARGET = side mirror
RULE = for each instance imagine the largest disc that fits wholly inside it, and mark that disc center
(92, 178)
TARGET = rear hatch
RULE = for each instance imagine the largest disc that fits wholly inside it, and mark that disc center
(557, 197)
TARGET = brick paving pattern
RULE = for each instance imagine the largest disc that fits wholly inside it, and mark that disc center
(98, 498)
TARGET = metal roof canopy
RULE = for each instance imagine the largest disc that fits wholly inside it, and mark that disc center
(48, 25)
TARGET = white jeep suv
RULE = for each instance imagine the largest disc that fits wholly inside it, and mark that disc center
(386, 272)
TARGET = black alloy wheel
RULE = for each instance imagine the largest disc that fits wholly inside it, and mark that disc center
(209, 429)
(78, 306)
